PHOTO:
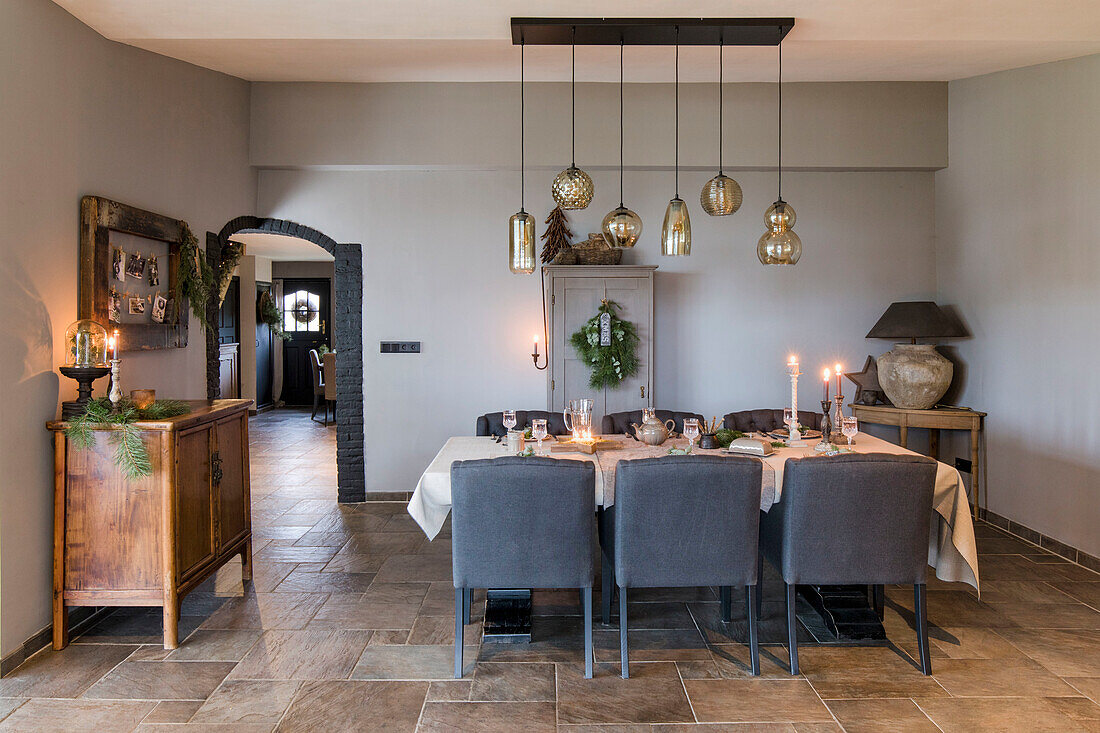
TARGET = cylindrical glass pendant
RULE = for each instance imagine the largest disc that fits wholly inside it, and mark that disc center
(779, 216)
(622, 227)
(721, 196)
(779, 248)
(676, 231)
(573, 189)
(521, 243)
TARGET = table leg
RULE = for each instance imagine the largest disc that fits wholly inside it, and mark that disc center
(507, 616)
(934, 443)
(975, 469)
(903, 435)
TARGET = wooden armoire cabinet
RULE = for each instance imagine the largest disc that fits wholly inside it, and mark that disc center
(574, 293)
(148, 542)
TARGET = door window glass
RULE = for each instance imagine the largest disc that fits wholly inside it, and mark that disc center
(301, 311)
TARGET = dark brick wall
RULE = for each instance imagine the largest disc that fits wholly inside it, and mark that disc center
(351, 479)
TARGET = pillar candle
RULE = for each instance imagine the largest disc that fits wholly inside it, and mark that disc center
(826, 398)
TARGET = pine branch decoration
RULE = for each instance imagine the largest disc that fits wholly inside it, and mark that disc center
(131, 455)
(557, 236)
(195, 277)
(610, 364)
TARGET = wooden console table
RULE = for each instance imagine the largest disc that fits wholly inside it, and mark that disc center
(148, 542)
(943, 418)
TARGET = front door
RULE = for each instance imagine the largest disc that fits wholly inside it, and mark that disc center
(305, 319)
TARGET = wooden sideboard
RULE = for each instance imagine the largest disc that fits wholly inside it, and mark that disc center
(148, 542)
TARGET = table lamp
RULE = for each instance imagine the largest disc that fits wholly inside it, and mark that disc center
(915, 376)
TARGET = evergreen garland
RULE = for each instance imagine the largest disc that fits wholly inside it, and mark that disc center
(271, 315)
(195, 277)
(610, 364)
(130, 453)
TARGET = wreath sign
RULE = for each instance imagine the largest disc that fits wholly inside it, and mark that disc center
(608, 345)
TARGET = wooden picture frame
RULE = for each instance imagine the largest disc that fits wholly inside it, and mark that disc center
(98, 218)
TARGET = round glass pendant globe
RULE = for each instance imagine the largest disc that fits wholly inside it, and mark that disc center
(676, 230)
(721, 196)
(521, 243)
(622, 227)
(573, 189)
(779, 248)
(780, 216)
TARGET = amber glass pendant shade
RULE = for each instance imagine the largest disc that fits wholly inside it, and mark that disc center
(573, 189)
(779, 216)
(622, 227)
(521, 243)
(676, 231)
(779, 245)
(721, 196)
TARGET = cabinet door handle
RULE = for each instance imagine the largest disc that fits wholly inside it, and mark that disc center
(216, 468)
(643, 391)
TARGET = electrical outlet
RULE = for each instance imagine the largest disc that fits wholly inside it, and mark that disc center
(400, 347)
(964, 465)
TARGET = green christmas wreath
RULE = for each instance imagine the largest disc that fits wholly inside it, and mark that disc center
(614, 360)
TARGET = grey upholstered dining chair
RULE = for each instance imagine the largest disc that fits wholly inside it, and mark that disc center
(318, 379)
(683, 521)
(852, 519)
(522, 523)
(616, 423)
(492, 423)
(755, 421)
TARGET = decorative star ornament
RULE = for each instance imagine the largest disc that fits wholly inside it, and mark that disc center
(867, 380)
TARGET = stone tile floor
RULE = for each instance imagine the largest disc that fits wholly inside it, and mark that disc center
(348, 626)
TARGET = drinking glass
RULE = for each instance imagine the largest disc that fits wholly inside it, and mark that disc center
(691, 431)
(509, 419)
(538, 432)
(849, 428)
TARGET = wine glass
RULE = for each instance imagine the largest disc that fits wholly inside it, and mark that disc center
(538, 431)
(849, 427)
(790, 419)
(691, 431)
(509, 419)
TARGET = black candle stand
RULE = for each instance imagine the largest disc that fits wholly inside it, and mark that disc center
(84, 377)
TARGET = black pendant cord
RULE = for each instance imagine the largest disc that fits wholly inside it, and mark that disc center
(721, 67)
(676, 88)
(780, 94)
(573, 98)
(621, 47)
(522, 119)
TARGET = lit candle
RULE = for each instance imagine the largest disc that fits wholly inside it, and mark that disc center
(827, 375)
(535, 353)
(837, 372)
(114, 345)
(792, 364)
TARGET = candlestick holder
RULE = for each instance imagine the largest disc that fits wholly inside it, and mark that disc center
(84, 376)
(795, 435)
(826, 444)
(115, 394)
(838, 414)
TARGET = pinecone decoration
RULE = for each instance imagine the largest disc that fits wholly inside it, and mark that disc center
(556, 237)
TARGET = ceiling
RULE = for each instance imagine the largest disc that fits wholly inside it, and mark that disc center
(281, 248)
(468, 40)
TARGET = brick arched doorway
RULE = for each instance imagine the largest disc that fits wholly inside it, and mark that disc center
(348, 283)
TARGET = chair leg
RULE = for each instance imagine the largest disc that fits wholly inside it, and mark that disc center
(878, 596)
(792, 627)
(725, 593)
(589, 654)
(751, 593)
(921, 606)
(622, 633)
(316, 403)
(605, 589)
(460, 603)
(468, 600)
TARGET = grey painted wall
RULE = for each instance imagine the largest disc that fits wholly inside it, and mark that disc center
(83, 115)
(1016, 251)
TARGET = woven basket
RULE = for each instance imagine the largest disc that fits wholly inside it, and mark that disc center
(596, 251)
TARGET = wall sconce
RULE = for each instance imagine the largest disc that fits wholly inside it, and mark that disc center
(535, 356)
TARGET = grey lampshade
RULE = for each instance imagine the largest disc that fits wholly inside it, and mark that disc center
(916, 319)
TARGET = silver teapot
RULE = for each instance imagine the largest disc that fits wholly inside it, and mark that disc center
(652, 431)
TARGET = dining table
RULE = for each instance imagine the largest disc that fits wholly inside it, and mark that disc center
(952, 548)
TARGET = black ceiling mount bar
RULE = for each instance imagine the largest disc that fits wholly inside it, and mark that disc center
(651, 31)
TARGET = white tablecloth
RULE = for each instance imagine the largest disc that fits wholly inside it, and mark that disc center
(952, 550)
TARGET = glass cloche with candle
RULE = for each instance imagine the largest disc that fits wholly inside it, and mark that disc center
(85, 344)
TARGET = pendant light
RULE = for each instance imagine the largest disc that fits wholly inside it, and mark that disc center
(521, 227)
(573, 188)
(621, 226)
(676, 230)
(779, 245)
(721, 195)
